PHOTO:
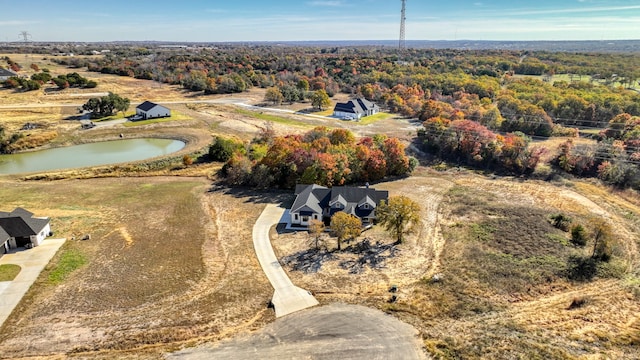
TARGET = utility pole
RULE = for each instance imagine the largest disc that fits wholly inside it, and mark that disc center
(403, 18)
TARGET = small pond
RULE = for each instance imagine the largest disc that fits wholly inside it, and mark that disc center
(95, 154)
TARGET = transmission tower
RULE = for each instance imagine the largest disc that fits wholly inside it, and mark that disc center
(25, 36)
(403, 19)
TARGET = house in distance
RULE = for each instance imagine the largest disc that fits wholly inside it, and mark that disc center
(20, 228)
(315, 202)
(355, 109)
(5, 74)
(149, 110)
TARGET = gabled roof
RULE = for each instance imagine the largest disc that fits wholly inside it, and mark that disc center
(317, 198)
(6, 72)
(367, 200)
(147, 105)
(21, 223)
(310, 197)
(3, 236)
(356, 106)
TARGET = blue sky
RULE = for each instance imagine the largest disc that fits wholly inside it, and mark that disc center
(282, 20)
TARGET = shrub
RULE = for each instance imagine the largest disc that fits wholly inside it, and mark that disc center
(561, 221)
(578, 235)
(223, 149)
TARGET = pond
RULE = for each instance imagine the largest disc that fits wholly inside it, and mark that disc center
(94, 154)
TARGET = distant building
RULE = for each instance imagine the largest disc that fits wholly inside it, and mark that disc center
(149, 110)
(5, 74)
(355, 109)
(20, 228)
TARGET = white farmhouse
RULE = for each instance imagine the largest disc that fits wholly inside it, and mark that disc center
(20, 228)
(355, 109)
(149, 110)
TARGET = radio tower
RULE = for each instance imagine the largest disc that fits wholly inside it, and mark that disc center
(403, 19)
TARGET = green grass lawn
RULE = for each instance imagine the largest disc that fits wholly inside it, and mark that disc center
(373, 118)
(269, 117)
(8, 272)
(70, 260)
(114, 117)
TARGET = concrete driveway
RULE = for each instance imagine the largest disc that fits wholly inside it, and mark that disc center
(287, 297)
(336, 331)
(31, 262)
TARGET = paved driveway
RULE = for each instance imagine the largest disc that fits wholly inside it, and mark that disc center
(287, 297)
(31, 262)
(336, 331)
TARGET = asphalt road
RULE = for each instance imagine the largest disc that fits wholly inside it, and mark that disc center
(287, 298)
(336, 331)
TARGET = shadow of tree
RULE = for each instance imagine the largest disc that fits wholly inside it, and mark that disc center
(370, 255)
(308, 261)
(283, 198)
(581, 269)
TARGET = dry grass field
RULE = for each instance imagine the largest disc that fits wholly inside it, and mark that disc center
(170, 262)
(503, 287)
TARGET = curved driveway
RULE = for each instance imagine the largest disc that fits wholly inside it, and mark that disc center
(287, 297)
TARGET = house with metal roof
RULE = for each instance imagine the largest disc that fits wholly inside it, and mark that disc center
(20, 228)
(315, 202)
(149, 110)
(355, 109)
(5, 74)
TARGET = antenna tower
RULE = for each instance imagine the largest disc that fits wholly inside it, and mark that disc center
(25, 36)
(403, 19)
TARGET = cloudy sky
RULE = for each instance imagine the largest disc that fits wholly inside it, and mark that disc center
(282, 20)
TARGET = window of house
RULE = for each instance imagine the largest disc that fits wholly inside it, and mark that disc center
(296, 216)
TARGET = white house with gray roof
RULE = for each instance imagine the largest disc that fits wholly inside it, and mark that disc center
(355, 109)
(5, 74)
(20, 228)
(315, 202)
(149, 110)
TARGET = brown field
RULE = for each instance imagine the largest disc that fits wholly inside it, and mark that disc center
(171, 263)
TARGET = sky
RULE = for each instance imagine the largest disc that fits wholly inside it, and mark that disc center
(308, 20)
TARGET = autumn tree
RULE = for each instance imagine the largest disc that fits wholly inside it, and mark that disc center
(316, 229)
(602, 238)
(274, 95)
(345, 226)
(399, 216)
(320, 99)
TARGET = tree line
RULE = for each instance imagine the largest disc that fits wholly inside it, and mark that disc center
(321, 156)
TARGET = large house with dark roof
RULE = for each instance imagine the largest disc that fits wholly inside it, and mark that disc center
(355, 109)
(149, 110)
(20, 228)
(315, 202)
